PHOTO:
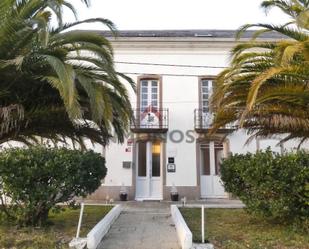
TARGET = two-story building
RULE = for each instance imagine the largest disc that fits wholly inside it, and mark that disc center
(169, 144)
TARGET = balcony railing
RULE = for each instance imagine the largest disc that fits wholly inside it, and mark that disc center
(203, 122)
(150, 119)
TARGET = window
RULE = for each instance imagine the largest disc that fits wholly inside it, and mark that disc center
(205, 92)
(211, 157)
(156, 152)
(149, 94)
(218, 157)
(144, 94)
(205, 156)
(142, 159)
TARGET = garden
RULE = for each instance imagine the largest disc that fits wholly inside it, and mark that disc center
(236, 229)
(57, 233)
(274, 188)
(38, 190)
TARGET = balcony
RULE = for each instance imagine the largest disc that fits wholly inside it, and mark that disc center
(203, 122)
(150, 120)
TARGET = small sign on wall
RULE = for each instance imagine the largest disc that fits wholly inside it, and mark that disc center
(126, 164)
(171, 160)
(129, 142)
(171, 166)
(128, 149)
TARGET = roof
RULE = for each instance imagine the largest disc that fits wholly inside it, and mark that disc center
(202, 33)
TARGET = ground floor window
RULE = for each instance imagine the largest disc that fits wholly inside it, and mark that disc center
(142, 159)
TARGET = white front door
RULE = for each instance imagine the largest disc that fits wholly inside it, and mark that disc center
(149, 176)
(211, 184)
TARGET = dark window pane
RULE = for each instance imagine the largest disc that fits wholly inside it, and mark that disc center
(154, 83)
(204, 83)
(156, 151)
(205, 109)
(205, 104)
(218, 158)
(142, 159)
(205, 161)
(205, 97)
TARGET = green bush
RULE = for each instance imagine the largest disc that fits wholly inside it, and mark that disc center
(37, 178)
(271, 185)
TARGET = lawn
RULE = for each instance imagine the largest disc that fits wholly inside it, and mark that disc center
(235, 229)
(57, 235)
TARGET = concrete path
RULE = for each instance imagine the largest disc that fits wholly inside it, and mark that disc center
(142, 225)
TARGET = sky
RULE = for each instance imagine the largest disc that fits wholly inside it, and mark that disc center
(177, 14)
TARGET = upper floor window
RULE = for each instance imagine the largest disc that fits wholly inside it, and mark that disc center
(204, 115)
(206, 85)
(149, 113)
(149, 94)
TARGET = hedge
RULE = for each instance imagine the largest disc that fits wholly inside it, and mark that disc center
(35, 179)
(271, 185)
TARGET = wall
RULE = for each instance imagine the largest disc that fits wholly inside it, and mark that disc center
(180, 96)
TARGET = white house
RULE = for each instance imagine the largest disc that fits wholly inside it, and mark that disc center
(169, 145)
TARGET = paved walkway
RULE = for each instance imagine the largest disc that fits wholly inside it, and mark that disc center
(142, 225)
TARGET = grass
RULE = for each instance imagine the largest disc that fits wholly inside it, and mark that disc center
(235, 229)
(57, 235)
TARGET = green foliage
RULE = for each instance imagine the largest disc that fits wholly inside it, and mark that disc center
(38, 178)
(265, 89)
(270, 184)
(56, 82)
(57, 235)
(236, 229)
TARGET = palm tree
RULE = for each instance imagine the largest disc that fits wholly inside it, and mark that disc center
(265, 89)
(63, 81)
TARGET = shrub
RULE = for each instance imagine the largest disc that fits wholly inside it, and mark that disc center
(270, 184)
(37, 178)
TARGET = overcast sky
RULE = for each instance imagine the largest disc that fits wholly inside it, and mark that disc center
(178, 14)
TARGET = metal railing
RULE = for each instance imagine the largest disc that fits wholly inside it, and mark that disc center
(203, 120)
(150, 118)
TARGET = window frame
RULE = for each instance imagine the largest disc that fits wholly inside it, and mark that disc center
(158, 78)
(200, 97)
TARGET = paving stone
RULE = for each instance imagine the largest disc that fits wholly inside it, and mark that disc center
(202, 246)
(142, 225)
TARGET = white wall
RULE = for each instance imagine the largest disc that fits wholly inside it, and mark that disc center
(180, 96)
(239, 143)
(116, 174)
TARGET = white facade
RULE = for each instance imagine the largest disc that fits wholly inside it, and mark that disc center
(180, 94)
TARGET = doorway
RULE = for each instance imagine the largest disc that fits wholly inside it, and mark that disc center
(149, 170)
(211, 154)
